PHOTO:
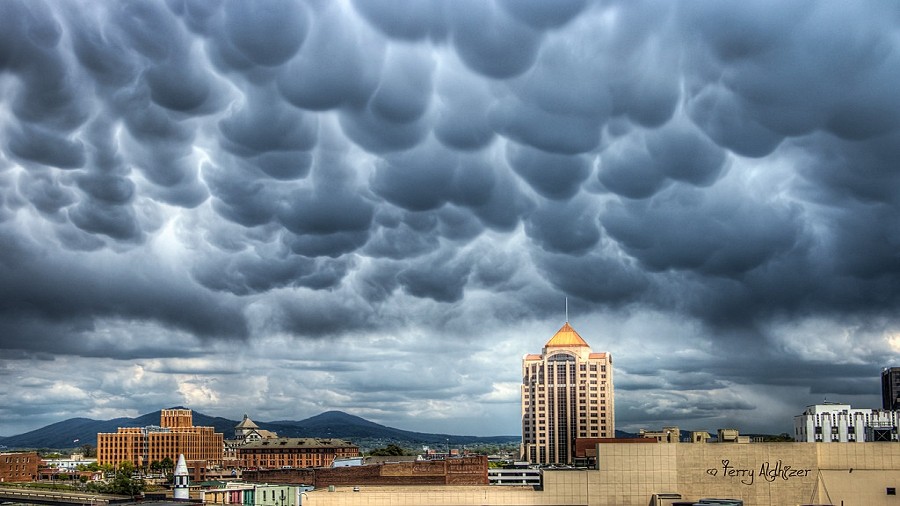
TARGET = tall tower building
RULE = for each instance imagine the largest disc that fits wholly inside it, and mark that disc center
(890, 388)
(567, 393)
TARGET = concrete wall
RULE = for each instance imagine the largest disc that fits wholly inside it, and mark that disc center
(429, 495)
(761, 474)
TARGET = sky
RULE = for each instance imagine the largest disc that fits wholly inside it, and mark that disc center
(282, 208)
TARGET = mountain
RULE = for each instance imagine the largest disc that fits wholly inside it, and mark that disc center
(75, 432)
(343, 425)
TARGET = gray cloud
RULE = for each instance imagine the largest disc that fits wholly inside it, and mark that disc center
(182, 177)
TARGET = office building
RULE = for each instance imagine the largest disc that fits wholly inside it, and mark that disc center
(890, 388)
(567, 393)
(839, 423)
(202, 446)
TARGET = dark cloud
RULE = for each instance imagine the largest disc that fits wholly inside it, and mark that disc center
(570, 228)
(553, 176)
(701, 231)
(542, 15)
(491, 42)
(411, 176)
(340, 64)
(268, 36)
(440, 277)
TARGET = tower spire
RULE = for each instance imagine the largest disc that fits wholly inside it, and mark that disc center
(567, 310)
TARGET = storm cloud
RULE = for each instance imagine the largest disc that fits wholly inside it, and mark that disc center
(379, 206)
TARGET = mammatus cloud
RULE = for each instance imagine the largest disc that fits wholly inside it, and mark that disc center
(394, 198)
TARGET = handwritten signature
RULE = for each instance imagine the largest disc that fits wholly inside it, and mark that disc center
(768, 471)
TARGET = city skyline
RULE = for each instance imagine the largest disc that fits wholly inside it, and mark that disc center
(379, 207)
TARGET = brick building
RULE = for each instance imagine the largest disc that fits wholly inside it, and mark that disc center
(277, 453)
(202, 446)
(471, 470)
(17, 467)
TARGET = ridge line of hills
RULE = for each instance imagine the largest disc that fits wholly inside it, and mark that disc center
(76, 432)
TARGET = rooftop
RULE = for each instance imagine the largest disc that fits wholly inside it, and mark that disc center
(566, 337)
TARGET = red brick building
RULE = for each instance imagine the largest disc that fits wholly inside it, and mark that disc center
(278, 453)
(454, 471)
(19, 467)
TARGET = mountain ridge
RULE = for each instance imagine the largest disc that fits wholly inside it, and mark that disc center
(78, 431)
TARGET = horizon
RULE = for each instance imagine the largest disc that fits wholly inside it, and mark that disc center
(237, 420)
(380, 207)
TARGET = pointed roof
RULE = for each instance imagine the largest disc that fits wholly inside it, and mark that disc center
(566, 337)
(246, 423)
(181, 467)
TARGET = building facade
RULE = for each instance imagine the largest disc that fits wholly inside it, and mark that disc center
(17, 467)
(245, 432)
(839, 423)
(890, 388)
(567, 393)
(176, 434)
(626, 474)
(460, 471)
(71, 463)
(289, 453)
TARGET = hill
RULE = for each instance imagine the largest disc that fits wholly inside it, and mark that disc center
(75, 432)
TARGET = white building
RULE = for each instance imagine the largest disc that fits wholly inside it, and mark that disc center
(517, 476)
(70, 464)
(839, 423)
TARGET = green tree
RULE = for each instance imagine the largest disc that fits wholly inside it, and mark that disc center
(126, 467)
(122, 483)
(167, 466)
(390, 450)
(88, 450)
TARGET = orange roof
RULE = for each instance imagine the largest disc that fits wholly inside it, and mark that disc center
(532, 356)
(566, 337)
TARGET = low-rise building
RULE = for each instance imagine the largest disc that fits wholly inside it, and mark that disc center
(731, 436)
(244, 432)
(839, 423)
(288, 453)
(71, 463)
(522, 475)
(471, 470)
(251, 494)
(19, 467)
(666, 435)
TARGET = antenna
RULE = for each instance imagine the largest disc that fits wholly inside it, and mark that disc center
(567, 310)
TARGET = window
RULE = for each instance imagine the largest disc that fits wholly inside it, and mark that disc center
(891, 491)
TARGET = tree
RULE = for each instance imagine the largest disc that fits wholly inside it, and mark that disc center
(121, 484)
(88, 450)
(167, 465)
(390, 450)
(126, 467)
